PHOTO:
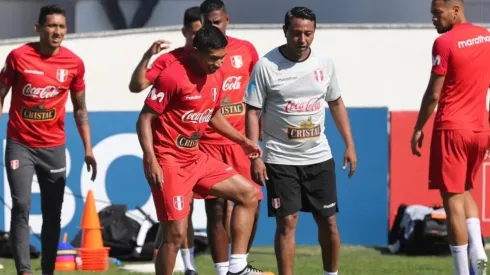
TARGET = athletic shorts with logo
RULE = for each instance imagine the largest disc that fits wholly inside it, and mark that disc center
(455, 159)
(305, 188)
(233, 155)
(173, 200)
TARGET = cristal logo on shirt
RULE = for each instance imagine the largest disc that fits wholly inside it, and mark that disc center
(188, 142)
(36, 92)
(312, 105)
(232, 83)
(196, 117)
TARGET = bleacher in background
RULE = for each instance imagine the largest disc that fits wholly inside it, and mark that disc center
(17, 17)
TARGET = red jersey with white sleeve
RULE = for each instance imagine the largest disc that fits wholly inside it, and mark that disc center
(462, 55)
(186, 102)
(40, 87)
(239, 61)
(163, 61)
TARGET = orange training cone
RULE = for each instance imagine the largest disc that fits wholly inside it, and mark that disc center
(94, 256)
(90, 225)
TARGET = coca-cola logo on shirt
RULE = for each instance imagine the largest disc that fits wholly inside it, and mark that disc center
(36, 92)
(195, 117)
(232, 83)
(312, 105)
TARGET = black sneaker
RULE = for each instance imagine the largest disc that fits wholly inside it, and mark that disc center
(190, 272)
(250, 270)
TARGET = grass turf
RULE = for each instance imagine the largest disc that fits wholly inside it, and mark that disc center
(354, 261)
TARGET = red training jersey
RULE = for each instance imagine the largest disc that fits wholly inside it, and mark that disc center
(163, 61)
(40, 86)
(462, 55)
(239, 61)
(186, 101)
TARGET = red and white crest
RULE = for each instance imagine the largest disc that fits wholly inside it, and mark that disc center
(236, 61)
(319, 75)
(178, 202)
(276, 203)
(14, 164)
(62, 75)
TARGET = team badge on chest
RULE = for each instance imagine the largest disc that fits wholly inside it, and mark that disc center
(62, 75)
(319, 75)
(236, 61)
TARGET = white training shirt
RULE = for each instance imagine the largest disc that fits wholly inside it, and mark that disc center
(293, 96)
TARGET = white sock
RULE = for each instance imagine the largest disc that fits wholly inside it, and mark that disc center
(188, 257)
(221, 268)
(460, 258)
(330, 273)
(238, 262)
(477, 251)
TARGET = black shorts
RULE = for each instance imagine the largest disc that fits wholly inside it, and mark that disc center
(305, 188)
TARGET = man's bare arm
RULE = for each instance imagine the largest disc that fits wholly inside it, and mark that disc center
(3, 93)
(145, 135)
(139, 82)
(252, 128)
(430, 100)
(223, 127)
(81, 118)
(341, 118)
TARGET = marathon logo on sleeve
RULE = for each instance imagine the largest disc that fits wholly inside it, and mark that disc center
(474, 41)
(436, 60)
(38, 113)
(306, 130)
(229, 108)
(188, 142)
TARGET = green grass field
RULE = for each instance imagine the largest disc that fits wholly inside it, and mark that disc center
(354, 261)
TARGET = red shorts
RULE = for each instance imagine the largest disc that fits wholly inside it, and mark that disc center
(455, 159)
(173, 200)
(233, 155)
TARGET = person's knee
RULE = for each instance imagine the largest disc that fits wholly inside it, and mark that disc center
(175, 234)
(248, 195)
(331, 226)
(21, 206)
(287, 225)
(215, 210)
(453, 203)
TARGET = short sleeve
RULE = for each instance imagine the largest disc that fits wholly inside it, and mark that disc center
(440, 55)
(7, 74)
(78, 81)
(158, 65)
(217, 92)
(333, 90)
(161, 93)
(257, 87)
(254, 56)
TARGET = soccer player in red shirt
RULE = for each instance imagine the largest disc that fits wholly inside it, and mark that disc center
(240, 58)
(458, 85)
(41, 75)
(186, 96)
(143, 78)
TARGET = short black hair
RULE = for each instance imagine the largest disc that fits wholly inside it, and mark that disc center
(209, 38)
(191, 15)
(49, 10)
(208, 6)
(299, 12)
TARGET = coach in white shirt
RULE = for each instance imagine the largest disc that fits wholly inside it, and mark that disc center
(289, 89)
